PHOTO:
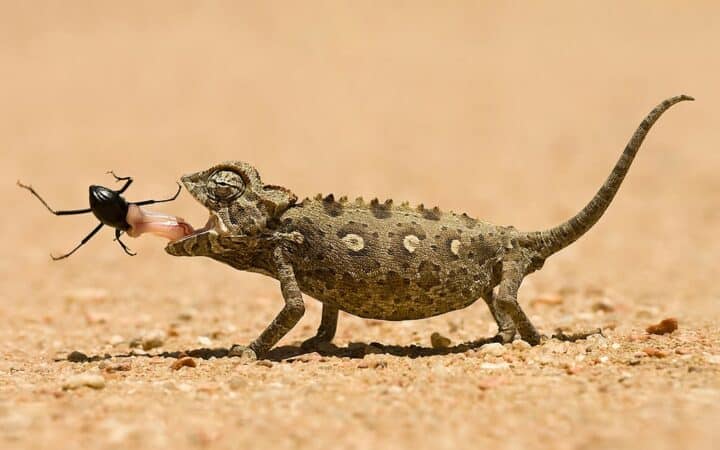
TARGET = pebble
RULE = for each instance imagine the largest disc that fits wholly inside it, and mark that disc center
(187, 315)
(655, 353)
(204, 340)
(494, 349)
(76, 356)
(604, 305)
(183, 362)
(89, 379)
(712, 359)
(664, 327)
(115, 340)
(437, 340)
(264, 363)
(152, 339)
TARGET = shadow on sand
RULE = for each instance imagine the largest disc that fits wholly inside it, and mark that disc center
(356, 350)
(287, 353)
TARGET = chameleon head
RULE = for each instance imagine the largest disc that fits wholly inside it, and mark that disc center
(238, 202)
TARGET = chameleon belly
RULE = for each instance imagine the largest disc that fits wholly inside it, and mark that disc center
(392, 263)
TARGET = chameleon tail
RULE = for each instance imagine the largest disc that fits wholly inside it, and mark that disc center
(555, 239)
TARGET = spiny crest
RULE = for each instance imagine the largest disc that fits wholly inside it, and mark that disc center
(385, 209)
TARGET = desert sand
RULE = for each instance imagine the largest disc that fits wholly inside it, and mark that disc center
(512, 114)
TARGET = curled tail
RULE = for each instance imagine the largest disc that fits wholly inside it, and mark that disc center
(555, 239)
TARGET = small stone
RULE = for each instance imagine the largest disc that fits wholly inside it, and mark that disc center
(264, 363)
(89, 379)
(204, 340)
(655, 353)
(437, 340)
(519, 344)
(493, 349)
(712, 359)
(187, 315)
(116, 340)
(615, 346)
(665, 326)
(76, 357)
(604, 306)
(183, 362)
(152, 339)
(603, 359)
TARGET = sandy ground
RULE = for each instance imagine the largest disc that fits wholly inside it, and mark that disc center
(513, 114)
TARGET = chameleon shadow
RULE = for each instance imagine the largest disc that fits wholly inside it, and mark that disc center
(354, 350)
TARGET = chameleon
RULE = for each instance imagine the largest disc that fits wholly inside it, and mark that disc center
(377, 260)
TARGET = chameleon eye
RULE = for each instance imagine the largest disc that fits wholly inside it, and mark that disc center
(225, 185)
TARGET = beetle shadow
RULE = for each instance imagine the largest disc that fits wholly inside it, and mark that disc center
(354, 350)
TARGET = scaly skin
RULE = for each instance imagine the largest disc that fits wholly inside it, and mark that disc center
(378, 260)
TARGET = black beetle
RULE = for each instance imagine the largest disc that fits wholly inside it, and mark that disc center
(108, 205)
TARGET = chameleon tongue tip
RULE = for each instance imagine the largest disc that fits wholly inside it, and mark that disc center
(143, 221)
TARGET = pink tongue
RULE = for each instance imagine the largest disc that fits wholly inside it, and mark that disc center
(145, 221)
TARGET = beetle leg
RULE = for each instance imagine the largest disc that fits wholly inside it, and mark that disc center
(128, 181)
(119, 233)
(85, 239)
(67, 212)
(150, 202)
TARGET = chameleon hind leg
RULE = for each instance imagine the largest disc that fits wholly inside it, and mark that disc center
(513, 271)
(506, 326)
(326, 331)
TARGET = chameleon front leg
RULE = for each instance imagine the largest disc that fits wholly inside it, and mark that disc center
(326, 331)
(287, 318)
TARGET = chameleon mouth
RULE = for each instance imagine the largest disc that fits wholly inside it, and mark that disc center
(185, 231)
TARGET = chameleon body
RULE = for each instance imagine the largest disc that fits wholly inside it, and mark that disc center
(375, 259)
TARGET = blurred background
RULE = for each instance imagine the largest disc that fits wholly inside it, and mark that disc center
(512, 112)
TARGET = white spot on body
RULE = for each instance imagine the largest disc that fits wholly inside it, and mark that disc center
(354, 242)
(455, 247)
(411, 242)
